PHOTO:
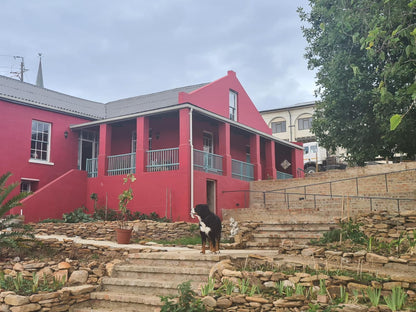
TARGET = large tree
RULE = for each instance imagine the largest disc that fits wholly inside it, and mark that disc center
(364, 52)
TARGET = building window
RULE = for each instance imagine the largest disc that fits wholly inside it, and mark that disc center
(233, 105)
(279, 127)
(40, 142)
(305, 123)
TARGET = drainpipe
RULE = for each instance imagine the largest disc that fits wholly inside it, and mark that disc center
(290, 126)
(192, 162)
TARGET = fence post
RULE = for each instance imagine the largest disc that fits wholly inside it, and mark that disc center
(371, 204)
(385, 179)
(356, 184)
(330, 188)
(264, 199)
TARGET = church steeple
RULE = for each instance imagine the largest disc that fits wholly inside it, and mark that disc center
(39, 78)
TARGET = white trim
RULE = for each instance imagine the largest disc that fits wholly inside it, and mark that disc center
(29, 179)
(41, 162)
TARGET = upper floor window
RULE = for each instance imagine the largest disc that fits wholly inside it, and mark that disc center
(40, 142)
(279, 126)
(233, 105)
(305, 123)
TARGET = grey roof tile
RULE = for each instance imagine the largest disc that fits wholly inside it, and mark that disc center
(29, 94)
(147, 102)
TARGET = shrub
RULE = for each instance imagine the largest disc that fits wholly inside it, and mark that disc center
(187, 301)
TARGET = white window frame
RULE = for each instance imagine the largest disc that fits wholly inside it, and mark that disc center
(233, 105)
(302, 121)
(48, 142)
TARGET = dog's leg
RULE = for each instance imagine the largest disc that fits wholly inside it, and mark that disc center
(203, 240)
(211, 245)
(217, 247)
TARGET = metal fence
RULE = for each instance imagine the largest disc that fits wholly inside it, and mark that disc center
(207, 162)
(92, 167)
(242, 170)
(163, 160)
(121, 164)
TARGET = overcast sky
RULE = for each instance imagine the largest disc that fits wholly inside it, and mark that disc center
(105, 50)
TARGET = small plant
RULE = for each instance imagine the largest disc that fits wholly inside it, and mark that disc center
(396, 299)
(412, 243)
(374, 295)
(313, 307)
(280, 287)
(243, 286)
(299, 289)
(187, 301)
(208, 288)
(289, 291)
(254, 290)
(322, 287)
(343, 295)
(228, 286)
(124, 198)
(79, 215)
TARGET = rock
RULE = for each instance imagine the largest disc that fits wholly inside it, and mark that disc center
(27, 308)
(209, 301)
(308, 252)
(374, 258)
(240, 299)
(78, 277)
(391, 285)
(356, 286)
(282, 303)
(231, 273)
(16, 300)
(257, 299)
(61, 275)
(44, 273)
(350, 308)
(18, 267)
(64, 265)
(224, 303)
(360, 253)
(269, 284)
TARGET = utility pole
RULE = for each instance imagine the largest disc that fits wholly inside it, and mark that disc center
(22, 67)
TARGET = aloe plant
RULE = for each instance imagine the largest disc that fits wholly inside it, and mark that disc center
(396, 299)
(374, 295)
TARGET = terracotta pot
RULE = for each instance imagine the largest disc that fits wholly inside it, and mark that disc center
(123, 236)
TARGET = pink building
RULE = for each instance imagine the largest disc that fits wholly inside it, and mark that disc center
(186, 146)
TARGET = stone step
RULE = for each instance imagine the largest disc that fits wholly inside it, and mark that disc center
(295, 227)
(296, 235)
(142, 287)
(104, 301)
(191, 259)
(177, 274)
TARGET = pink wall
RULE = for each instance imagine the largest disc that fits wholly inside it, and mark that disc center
(62, 195)
(214, 97)
(16, 123)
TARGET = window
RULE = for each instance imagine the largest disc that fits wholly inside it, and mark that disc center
(278, 127)
(40, 142)
(305, 123)
(233, 105)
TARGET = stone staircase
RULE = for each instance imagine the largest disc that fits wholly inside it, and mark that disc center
(137, 284)
(278, 234)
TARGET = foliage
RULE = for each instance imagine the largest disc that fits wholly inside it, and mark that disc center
(349, 230)
(187, 301)
(365, 74)
(396, 299)
(103, 214)
(12, 230)
(208, 288)
(77, 216)
(124, 198)
(374, 295)
(27, 286)
(188, 240)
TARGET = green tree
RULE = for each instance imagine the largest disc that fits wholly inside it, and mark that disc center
(358, 87)
(11, 231)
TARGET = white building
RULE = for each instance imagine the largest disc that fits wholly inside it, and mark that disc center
(291, 123)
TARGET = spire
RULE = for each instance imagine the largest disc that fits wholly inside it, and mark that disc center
(39, 78)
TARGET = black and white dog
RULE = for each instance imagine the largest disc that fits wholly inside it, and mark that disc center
(209, 226)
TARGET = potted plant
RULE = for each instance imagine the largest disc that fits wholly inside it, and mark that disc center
(123, 233)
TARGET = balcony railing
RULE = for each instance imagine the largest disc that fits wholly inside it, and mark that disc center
(242, 170)
(121, 164)
(207, 162)
(92, 167)
(163, 160)
(282, 175)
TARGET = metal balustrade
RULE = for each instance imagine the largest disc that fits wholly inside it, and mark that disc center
(121, 164)
(92, 167)
(208, 162)
(282, 175)
(242, 170)
(163, 159)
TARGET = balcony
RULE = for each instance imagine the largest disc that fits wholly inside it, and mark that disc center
(162, 160)
(242, 170)
(207, 162)
(121, 164)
